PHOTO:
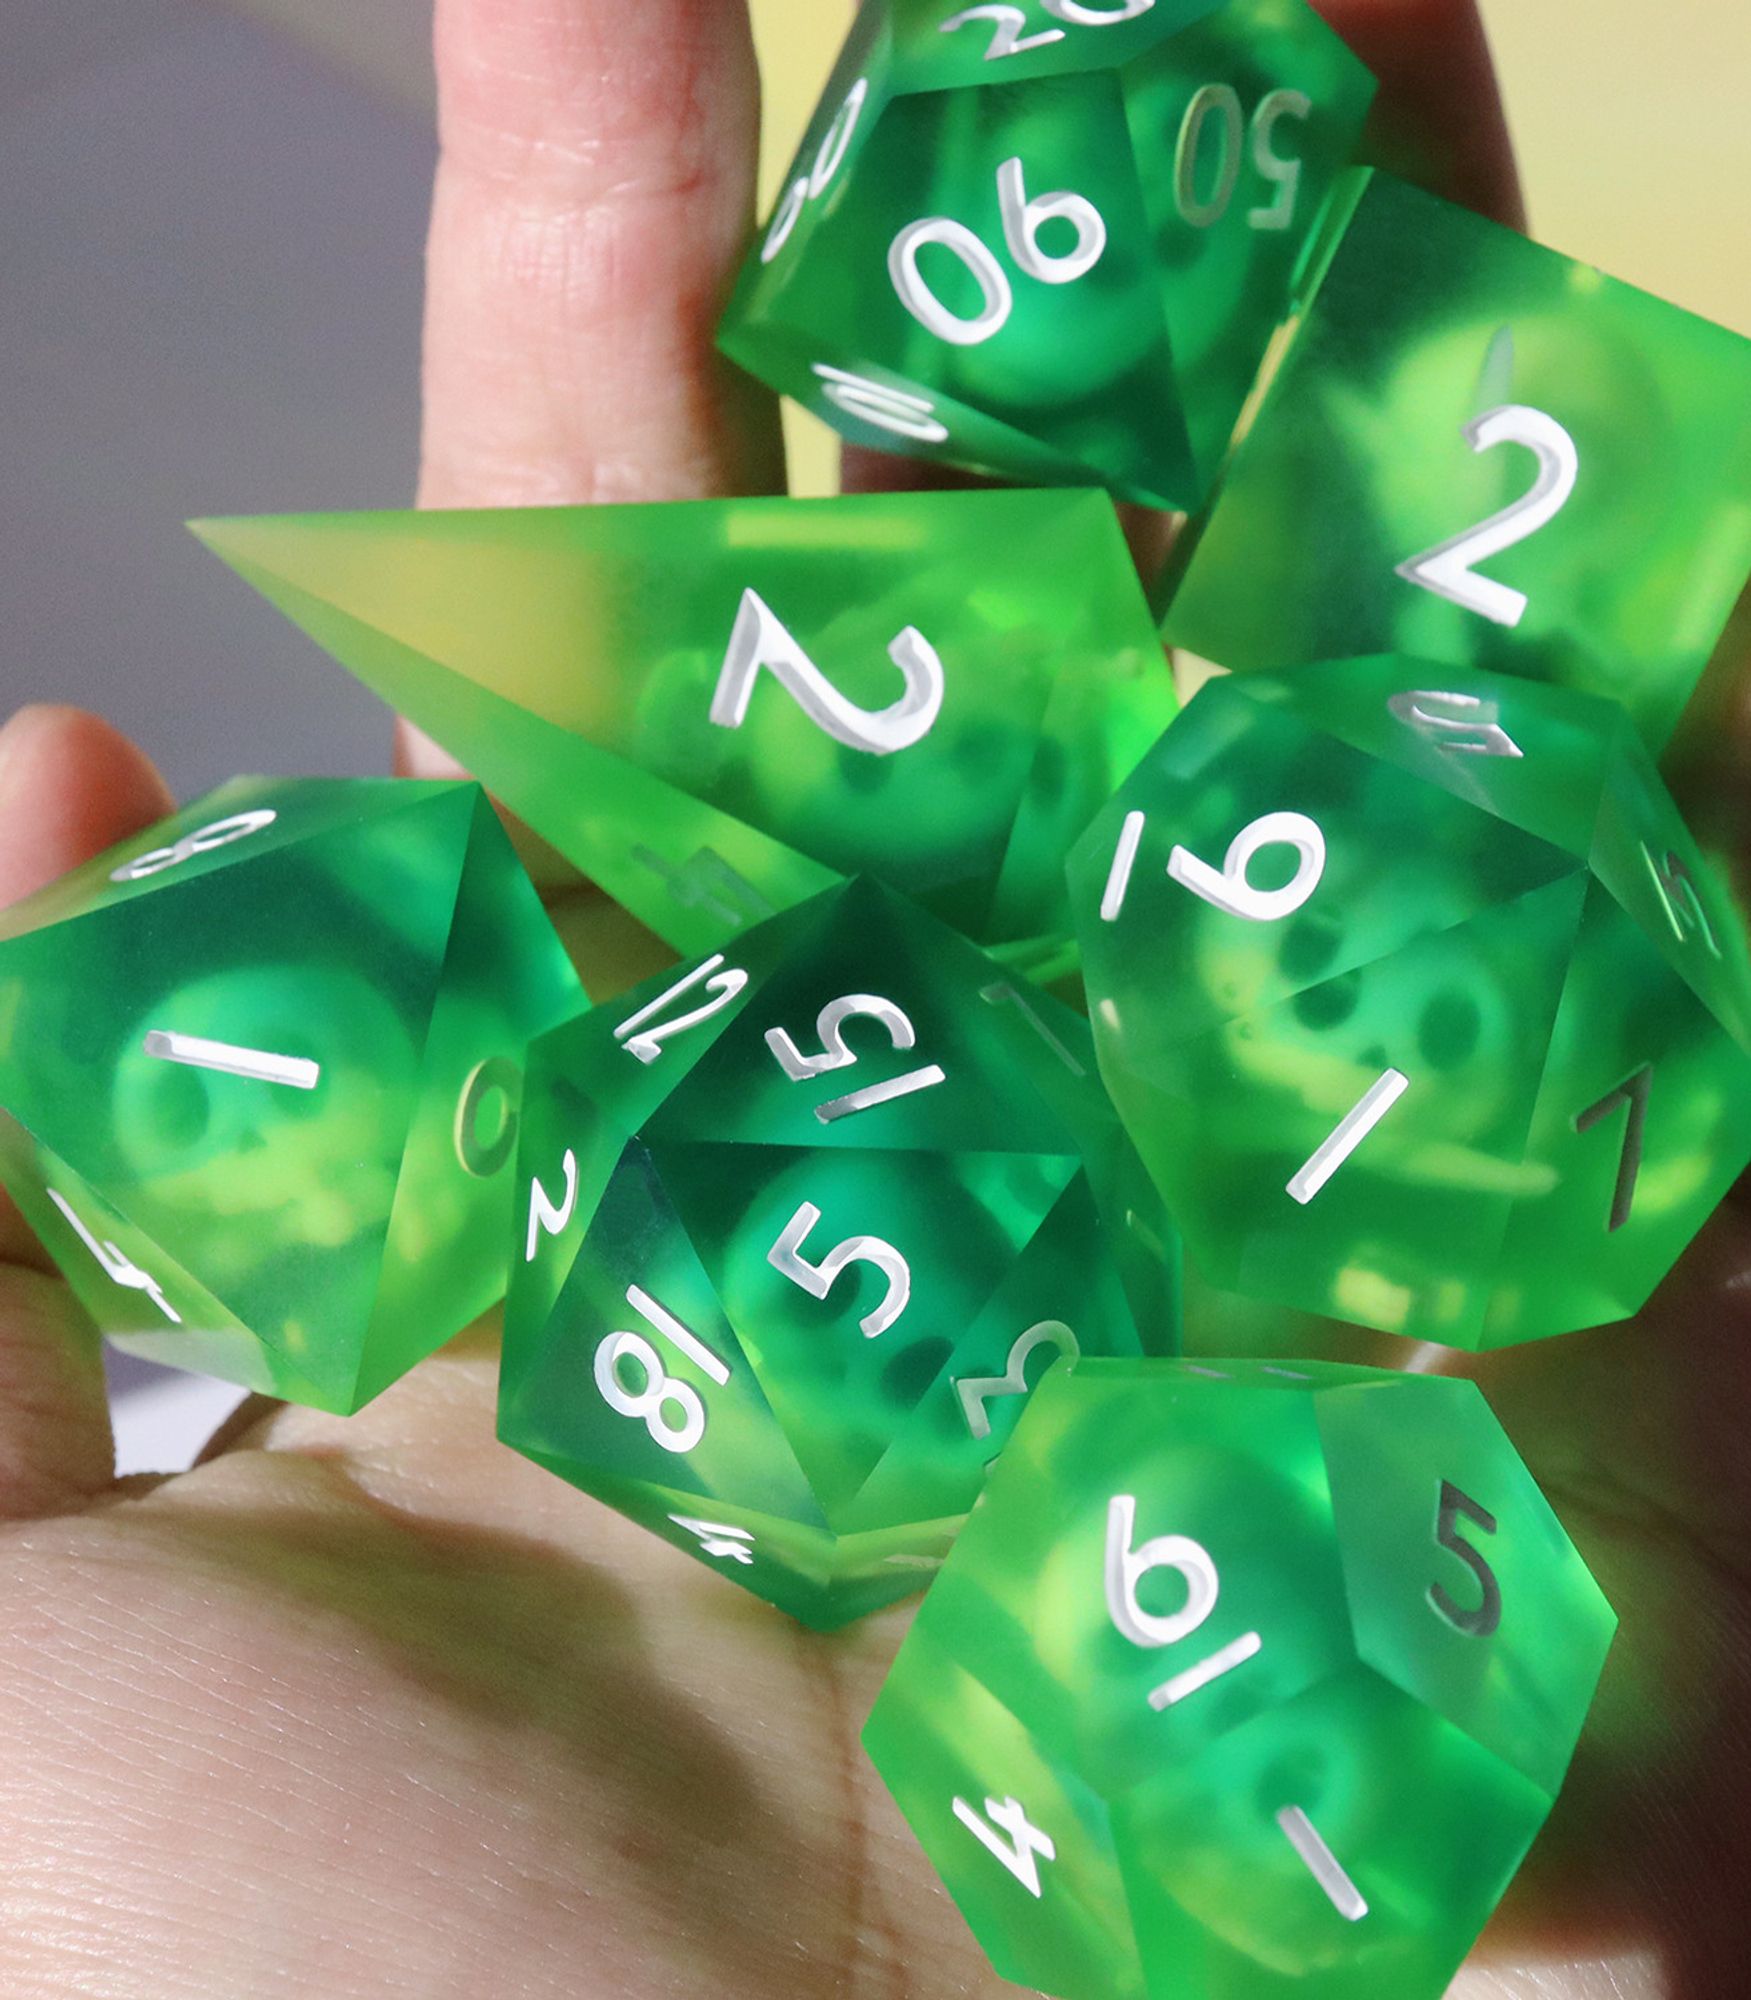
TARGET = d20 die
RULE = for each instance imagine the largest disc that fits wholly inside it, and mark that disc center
(1521, 464)
(1051, 240)
(803, 1226)
(1418, 998)
(261, 1071)
(716, 709)
(1243, 1681)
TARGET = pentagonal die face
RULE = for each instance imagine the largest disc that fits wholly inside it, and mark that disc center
(803, 1231)
(1382, 959)
(1243, 1681)
(1051, 240)
(940, 689)
(261, 1070)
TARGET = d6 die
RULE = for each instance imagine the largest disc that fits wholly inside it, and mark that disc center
(1418, 999)
(1051, 240)
(803, 1226)
(1521, 465)
(1244, 1683)
(717, 709)
(261, 1070)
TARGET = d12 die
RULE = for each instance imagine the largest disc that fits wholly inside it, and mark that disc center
(803, 1226)
(1418, 999)
(261, 1071)
(1051, 240)
(1244, 1683)
(1521, 464)
(715, 709)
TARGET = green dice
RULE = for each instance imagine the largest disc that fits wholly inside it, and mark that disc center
(1051, 240)
(1479, 452)
(1420, 1002)
(803, 1224)
(717, 709)
(261, 1071)
(1244, 1683)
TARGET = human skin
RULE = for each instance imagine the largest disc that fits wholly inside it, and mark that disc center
(372, 1707)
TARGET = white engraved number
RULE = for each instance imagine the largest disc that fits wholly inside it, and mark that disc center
(1449, 568)
(897, 410)
(1455, 722)
(717, 1539)
(647, 1042)
(547, 1214)
(117, 1267)
(202, 841)
(661, 1390)
(1219, 104)
(1676, 887)
(1228, 887)
(1023, 220)
(830, 1026)
(829, 157)
(1125, 1569)
(975, 1391)
(1009, 23)
(759, 638)
(786, 1255)
(1025, 1839)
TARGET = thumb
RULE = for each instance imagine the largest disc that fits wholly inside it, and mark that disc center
(70, 786)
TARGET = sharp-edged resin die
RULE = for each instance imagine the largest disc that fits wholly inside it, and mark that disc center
(261, 1071)
(1418, 998)
(804, 1223)
(1051, 240)
(1244, 1683)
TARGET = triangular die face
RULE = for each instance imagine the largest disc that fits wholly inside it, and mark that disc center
(235, 1061)
(939, 1234)
(505, 980)
(932, 1067)
(580, 1390)
(1642, 1124)
(1396, 859)
(1060, 1296)
(240, 821)
(142, 1298)
(1402, 1226)
(501, 689)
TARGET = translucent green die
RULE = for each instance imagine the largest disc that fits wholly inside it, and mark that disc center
(1481, 452)
(1051, 240)
(261, 1071)
(1418, 999)
(1244, 1683)
(803, 1223)
(718, 708)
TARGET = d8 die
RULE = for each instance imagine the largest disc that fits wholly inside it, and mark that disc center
(1418, 999)
(716, 709)
(1243, 1684)
(1521, 464)
(1051, 240)
(261, 1071)
(802, 1228)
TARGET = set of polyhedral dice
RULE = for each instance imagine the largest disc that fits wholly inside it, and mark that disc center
(1414, 1001)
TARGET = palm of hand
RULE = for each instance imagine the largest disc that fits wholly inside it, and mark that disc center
(374, 1707)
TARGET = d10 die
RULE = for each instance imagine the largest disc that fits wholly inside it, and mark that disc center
(803, 1225)
(1245, 1683)
(1418, 999)
(261, 1071)
(1521, 464)
(715, 709)
(1051, 240)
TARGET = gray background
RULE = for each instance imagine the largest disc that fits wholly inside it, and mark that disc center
(211, 222)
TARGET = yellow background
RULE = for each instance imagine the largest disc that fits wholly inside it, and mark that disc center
(1630, 118)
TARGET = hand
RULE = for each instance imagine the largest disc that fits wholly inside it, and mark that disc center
(373, 1707)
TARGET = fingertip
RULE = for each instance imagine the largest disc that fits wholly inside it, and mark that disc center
(70, 786)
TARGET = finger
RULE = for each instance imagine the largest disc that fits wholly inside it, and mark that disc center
(1438, 120)
(69, 787)
(594, 192)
